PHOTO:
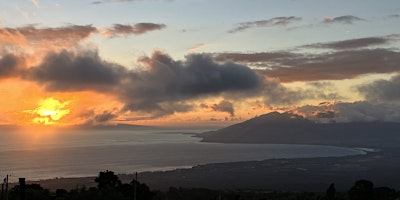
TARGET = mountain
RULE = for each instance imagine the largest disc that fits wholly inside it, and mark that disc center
(287, 128)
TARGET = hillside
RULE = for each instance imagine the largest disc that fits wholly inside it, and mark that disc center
(293, 129)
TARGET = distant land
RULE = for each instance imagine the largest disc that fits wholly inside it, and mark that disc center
(287, 128)
(300, 174)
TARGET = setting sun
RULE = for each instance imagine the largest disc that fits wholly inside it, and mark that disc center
(49, 111)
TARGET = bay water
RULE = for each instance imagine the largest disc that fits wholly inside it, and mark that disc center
(85, 153)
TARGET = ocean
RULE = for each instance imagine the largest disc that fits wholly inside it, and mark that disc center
(85, 153)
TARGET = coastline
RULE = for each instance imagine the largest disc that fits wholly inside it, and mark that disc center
(295, 174)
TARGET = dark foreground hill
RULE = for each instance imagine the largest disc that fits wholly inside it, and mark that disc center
(293, 129)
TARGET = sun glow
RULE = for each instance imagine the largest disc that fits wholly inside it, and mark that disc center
(50, 111)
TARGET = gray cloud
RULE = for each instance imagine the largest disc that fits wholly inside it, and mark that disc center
(365, 112)
(337, 65)
(361, 111)
(11, 65)
(165, 86)
(277, 21)
(290, 67)
(137, 29)
(159, 90)
(357, 43)
(224, 106)
(166, 82)
(326, 114)
(104, 117)
(382, 90)
(68, 71)
(275, 93)
(346, 19)
(254, 57)
(67, 34)
(92, 117)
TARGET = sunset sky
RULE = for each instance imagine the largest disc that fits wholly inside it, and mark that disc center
(197, 62)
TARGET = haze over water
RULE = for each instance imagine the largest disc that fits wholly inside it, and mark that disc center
(85, 153)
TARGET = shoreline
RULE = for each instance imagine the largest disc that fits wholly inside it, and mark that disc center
(297, 174)
(341, 151)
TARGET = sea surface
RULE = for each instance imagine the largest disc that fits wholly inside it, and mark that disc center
(85, 153)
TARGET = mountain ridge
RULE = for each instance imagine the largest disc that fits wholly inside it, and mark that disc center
(288, 128)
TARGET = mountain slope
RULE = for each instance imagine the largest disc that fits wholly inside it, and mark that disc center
(290, 128)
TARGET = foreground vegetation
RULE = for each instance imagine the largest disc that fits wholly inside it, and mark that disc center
(109, 187)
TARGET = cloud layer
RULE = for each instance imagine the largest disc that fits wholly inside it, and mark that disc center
(342, 112)
(160, 86)
(351, 58)
(160, 89)
(382, 90)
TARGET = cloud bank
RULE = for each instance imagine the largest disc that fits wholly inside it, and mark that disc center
(382, 90)
(351, 58)
(161, 86)
(343, 112)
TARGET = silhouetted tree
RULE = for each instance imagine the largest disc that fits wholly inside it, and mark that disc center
(61, 194)
(143, 191)
(362, 190)
(384, 193)
(107, 179)
(330, 192)
(33, 192)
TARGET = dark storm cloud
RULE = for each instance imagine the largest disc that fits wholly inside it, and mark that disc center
(10, 65)
(136, 29)
(382, 90)
(277, 21)
(347, 19)
(290, 67)
(167, 82)
(224, 106)
(164, 86)
(68, 71)
(161, 89)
